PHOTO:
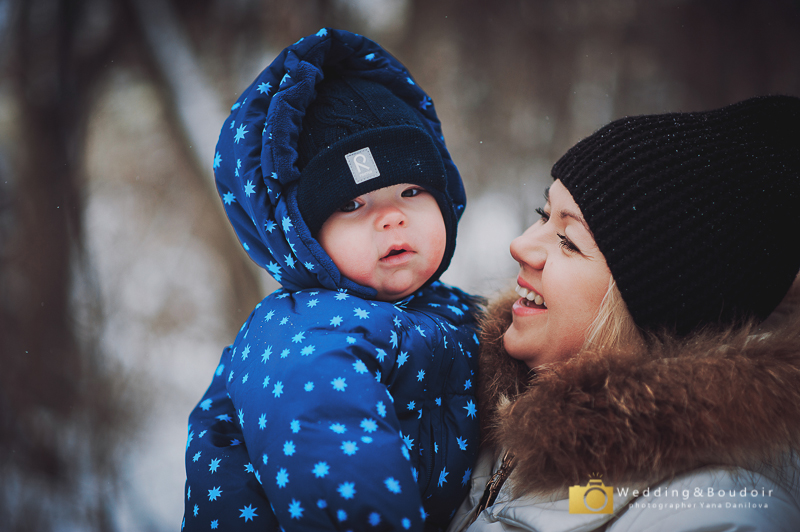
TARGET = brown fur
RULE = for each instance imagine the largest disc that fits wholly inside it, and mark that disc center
(716, 398)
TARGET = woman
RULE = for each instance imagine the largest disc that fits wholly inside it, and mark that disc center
(635, 382)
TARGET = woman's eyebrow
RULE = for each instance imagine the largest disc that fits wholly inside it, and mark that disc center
(564, 213)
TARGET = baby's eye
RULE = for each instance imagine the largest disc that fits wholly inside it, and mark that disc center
(411, 192)
(350, 206)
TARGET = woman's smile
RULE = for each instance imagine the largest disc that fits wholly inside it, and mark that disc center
(522, 307)
(562, 281)
(531, 297)
(530, 302)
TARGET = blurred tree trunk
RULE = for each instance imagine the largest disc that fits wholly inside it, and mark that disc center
(59, 406)
(196, 118)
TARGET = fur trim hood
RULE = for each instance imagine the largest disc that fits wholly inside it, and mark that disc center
(729, 398)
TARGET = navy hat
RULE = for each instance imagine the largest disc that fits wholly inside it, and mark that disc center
(697, 214)
(356, 137)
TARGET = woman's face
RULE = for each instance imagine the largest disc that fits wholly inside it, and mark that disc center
(563, 271)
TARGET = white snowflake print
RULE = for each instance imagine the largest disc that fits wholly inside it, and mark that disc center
(392, 485)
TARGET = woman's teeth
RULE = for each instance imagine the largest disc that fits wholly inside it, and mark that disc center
(530, 295)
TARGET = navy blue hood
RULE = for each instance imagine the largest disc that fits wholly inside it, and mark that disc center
(255, 163)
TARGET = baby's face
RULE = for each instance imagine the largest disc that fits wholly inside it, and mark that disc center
(391, 239)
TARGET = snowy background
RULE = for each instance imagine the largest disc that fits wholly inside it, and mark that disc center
(121, 280)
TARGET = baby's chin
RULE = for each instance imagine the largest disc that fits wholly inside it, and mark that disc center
(390, 297)
(397, 290)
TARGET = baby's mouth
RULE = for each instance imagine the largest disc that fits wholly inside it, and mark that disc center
(530, 298)
(395, 251)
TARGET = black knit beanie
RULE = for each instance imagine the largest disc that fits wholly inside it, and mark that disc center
(697, 214)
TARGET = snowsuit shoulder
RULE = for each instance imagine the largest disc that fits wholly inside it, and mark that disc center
(354, 412)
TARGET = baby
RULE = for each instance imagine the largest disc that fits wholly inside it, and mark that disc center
(346, 399)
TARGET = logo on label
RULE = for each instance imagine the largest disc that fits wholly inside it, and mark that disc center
(362, 165)
(593, 498)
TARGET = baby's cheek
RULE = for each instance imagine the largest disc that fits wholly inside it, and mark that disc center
(438, 242)
(359, 272)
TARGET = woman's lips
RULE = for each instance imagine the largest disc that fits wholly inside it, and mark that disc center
(525, 291)
(530, 302)
(521, 282)
(521, 308)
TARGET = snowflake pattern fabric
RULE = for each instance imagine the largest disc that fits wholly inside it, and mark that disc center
(346, 435)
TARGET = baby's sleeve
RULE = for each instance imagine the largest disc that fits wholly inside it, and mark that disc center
(221, 488)
(320, 427)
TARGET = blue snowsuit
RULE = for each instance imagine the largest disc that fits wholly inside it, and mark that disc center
(330, 410)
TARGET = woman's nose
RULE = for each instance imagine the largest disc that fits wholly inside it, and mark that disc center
(528, 249)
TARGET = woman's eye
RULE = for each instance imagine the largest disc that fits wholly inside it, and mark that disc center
(350, 206)
(544, 216)
(411, 192)
(566, 243)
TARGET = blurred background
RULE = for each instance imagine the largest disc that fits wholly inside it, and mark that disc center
(120, 278)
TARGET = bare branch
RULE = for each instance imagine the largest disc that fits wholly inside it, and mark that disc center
(197, 105)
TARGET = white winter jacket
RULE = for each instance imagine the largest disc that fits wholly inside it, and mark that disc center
(707, 499)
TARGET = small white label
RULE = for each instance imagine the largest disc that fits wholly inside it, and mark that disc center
(362, 165)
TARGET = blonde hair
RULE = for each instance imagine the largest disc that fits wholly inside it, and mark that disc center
(613, 328)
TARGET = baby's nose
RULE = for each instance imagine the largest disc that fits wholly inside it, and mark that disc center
(392, 217)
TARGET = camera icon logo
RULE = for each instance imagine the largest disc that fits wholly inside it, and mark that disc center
(593, 498)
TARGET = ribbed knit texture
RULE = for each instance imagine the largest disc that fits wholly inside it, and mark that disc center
(697, 214)
(350, 114)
